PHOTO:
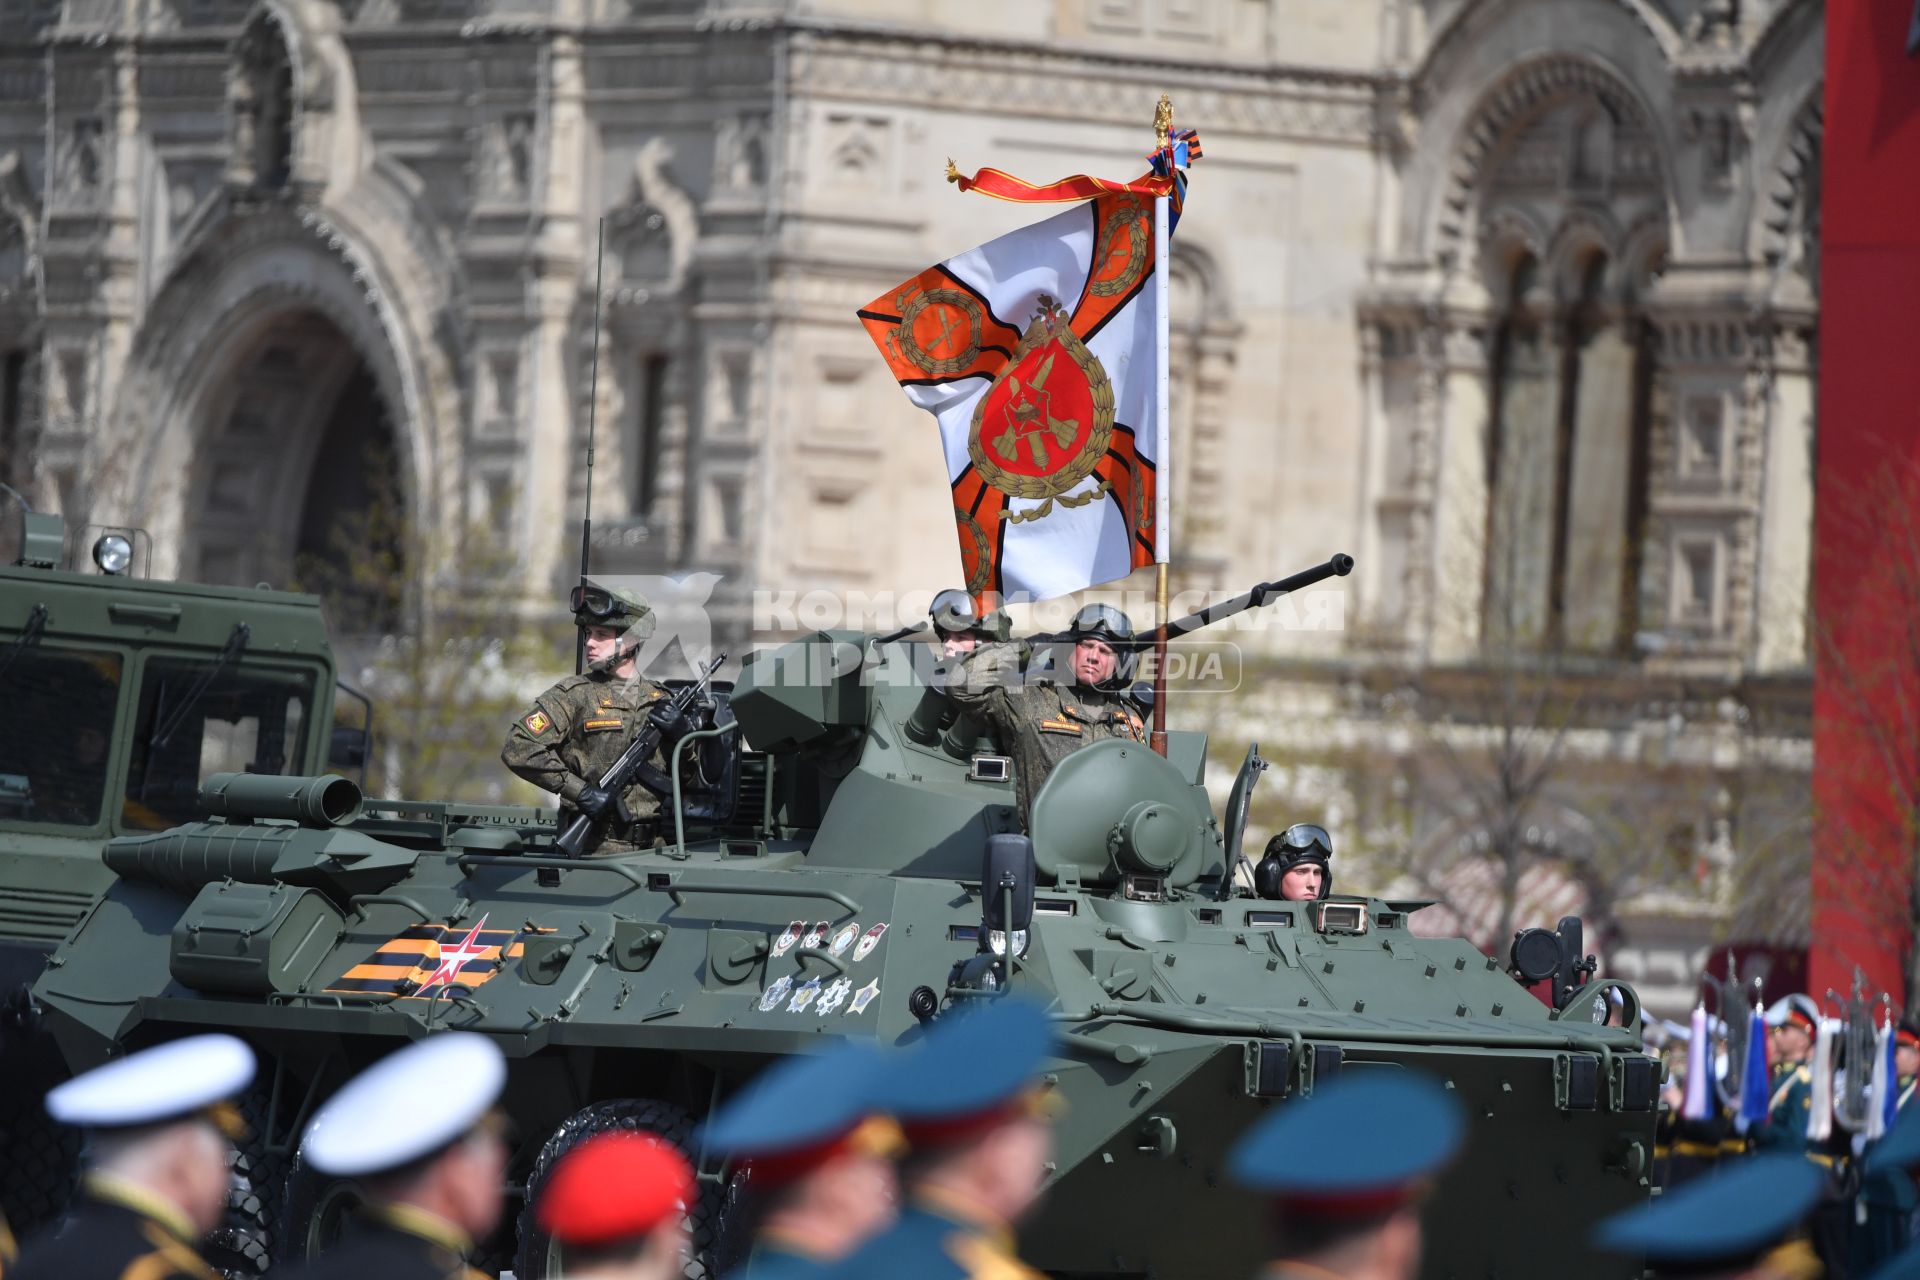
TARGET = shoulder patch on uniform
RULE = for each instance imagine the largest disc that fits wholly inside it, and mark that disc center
(538, 723)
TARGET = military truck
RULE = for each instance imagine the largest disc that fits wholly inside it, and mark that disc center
(122, 697)
(848, 863)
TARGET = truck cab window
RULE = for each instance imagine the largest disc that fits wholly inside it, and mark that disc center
(56, 738)
(189, 727)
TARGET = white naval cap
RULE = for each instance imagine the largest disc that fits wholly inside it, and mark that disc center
(407, 1105)
(155, 1085)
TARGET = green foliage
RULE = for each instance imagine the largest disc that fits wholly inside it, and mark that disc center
(432, 624)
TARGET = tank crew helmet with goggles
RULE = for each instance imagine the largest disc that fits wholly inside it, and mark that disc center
(954, 613)
(1301, 844)
(1112, 628)
(1102, 622)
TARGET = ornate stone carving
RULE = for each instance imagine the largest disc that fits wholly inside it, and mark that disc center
(1044, 82)
(1627, 154)
(260, 102)
(79, 162)
(19, 230)
(505, 164)
(741, 147)
(657, 226)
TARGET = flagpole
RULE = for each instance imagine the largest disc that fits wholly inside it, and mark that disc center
(1162, 435)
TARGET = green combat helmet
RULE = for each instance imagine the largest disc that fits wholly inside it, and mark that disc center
(624, 609)
(954, 613)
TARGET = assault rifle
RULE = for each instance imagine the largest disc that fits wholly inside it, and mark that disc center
(632, 765)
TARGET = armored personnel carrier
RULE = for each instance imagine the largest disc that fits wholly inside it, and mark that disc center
(122, 696)
(848, 864)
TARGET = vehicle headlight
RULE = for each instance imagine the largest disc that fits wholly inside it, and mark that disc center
(113, 553)
(997, 942)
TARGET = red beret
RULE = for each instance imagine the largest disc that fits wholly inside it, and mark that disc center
(613, 1187)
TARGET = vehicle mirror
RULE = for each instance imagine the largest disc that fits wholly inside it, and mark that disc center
(1536, 955)
(1008, 865)
(350, 748)
(1576, 966)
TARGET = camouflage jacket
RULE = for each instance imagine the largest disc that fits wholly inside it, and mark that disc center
(576, 730)
(1038, 722)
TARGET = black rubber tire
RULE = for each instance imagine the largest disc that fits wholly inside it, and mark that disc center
(313, 1207)
(39, 1164)
(39, 1159)
(241, 1246)
(639, 1115)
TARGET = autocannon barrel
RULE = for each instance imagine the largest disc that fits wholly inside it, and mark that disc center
(326, 801)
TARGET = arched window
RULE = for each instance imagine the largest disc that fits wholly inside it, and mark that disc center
(1568, 414)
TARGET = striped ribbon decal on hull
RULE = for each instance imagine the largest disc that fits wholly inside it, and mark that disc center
(400, 967)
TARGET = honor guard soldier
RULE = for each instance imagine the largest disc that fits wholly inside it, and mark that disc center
(160, 1130)
(818, 1161)
(1296, 866)
(979, 1129)
(616, 1205)
(1039, 719)
(1891, 1166)
(575, 731)
(1739, 1224)
(1792, 1022)
(1347, 1169)
(417, 1130)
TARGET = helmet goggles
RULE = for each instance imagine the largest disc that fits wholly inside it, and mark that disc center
(595, 603)
(1307, 840)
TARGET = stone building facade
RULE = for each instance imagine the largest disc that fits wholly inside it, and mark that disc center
(1514, 299)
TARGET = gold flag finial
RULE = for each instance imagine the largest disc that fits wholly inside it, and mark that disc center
(953, 170)
(1163, 119)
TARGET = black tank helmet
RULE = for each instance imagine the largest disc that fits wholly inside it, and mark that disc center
(954, 613)
(1300, 843)
(1104, 622)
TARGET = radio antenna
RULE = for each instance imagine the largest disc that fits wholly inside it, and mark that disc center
(593, 409)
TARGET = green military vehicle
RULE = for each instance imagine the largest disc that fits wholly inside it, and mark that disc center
(848, 863)
(122, 697)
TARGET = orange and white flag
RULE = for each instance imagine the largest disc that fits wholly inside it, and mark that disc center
(1039, 354)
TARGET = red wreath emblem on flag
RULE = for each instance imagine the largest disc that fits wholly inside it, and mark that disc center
(1046, 421)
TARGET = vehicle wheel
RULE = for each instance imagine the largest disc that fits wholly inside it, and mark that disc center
(241, 1246)
(39, 1164)
(39, 1159)
(539, 1258)
(314, 1208)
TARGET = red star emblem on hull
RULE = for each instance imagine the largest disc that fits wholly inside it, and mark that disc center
(457, 957)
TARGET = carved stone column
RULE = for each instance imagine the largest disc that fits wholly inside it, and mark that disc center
(1525, 444)
(552, 465)
(1597, 502)
(1786, 534)
(1455, 390)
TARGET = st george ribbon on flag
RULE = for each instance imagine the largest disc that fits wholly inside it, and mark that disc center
(1037, 354)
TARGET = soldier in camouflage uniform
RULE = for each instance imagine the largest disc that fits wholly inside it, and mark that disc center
(1038, 719)
(574, 731)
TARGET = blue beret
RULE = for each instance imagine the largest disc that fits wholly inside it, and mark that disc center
(1902, 1266)
(1368, 1133)
(1736, 1214)
(971, 1061)
(1900, 1149)
(800, 1102)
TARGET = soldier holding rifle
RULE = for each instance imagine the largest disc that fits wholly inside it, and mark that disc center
(576, 730)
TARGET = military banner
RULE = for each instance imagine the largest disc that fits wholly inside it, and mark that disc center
(1040, 354)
